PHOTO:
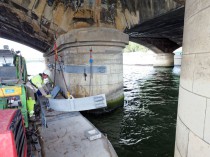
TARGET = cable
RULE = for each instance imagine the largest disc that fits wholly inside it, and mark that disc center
(68, 92)
(91, 73)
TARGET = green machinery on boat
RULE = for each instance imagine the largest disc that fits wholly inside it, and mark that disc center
(13, 76)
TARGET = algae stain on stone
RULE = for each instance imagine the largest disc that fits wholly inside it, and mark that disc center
(115, 103)
(80, 91)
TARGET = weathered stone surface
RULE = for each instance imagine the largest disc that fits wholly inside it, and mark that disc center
(35, 23)
(107, 45)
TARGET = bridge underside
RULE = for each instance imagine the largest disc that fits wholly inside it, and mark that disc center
(162, 34)
(146, 23)
(12, 27)
(88, 30)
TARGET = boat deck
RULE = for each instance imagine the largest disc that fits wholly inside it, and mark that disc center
(65, 137)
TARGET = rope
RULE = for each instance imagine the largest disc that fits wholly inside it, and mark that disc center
(56, 58)
(91, 73)
(68, 92)
(55, 49)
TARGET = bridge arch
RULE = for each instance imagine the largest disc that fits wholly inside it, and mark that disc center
(163, 49)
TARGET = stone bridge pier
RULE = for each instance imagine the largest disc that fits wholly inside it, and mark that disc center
(164, 60)
(193, 120)
(82, 25)
(87, 72)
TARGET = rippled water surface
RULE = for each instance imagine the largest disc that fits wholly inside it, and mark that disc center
(145, 126)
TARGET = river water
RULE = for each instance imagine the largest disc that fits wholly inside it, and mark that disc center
(145, 126)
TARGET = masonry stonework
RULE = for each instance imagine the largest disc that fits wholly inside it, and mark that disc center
(193, 131)
(104, 75)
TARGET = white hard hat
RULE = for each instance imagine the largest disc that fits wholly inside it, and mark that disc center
(47, 72)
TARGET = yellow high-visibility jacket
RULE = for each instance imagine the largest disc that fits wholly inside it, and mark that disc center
(37, 81)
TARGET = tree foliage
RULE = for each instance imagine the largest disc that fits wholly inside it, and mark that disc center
(133, 47)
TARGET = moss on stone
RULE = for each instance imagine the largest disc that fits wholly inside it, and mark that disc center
(117, 102)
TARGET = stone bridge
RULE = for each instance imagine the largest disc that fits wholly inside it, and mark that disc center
(92, 55)
(157, 24)
(104, 26)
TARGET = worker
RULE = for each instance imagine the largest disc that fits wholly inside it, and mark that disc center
(37, 84)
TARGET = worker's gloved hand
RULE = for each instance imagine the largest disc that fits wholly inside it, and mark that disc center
(48, 96)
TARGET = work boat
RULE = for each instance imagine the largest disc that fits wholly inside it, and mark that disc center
(68, 133)
(49, 127)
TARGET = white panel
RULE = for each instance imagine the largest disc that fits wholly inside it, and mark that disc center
(78, 104)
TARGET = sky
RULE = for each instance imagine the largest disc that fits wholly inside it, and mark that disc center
(26, 51)
(179, 50)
